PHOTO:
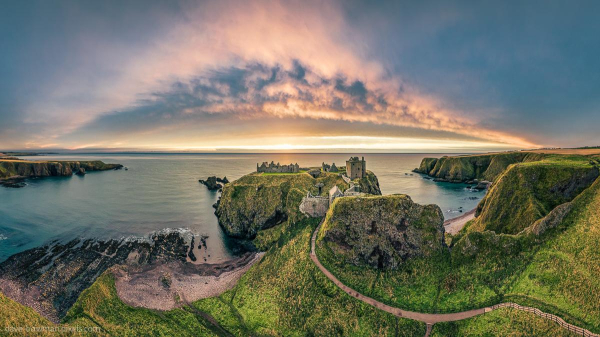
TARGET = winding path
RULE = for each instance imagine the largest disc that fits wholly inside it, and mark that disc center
(431, 319)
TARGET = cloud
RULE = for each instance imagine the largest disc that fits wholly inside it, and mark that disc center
(236, 95)
(226, 65)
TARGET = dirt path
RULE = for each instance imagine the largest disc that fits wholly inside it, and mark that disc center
(454, 226)
(426, 318)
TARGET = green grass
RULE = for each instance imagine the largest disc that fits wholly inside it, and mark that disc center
(282, 173)
(283, 295)
(501, 322)
(526, 192)
(557, 271)
(253, 202)
(14, 315)
(565, 272)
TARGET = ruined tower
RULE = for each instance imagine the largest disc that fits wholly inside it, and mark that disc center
(356, 168)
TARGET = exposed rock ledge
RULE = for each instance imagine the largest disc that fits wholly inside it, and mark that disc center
(168, 286)
(50, 278)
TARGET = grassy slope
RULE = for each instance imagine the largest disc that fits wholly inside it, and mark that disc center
(558, 272)
(483, 166)
(283, 295)
(14, 315)
(565, 272)
(501, 322)
(526, 192)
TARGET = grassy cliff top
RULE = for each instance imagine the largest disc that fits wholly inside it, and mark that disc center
(259, 201)
(526, 192)
(489, 166)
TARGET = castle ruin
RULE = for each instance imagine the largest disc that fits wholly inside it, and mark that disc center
(329, 168)
(356, 168)
(277, 168)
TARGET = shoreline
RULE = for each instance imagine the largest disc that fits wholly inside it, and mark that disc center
(168, 286)
(453, 226)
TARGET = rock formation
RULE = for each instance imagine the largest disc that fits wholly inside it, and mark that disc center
(382, 231)
(256, 202)
(51, 277)
(213, 183)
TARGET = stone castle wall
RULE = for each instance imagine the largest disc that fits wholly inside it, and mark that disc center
(277, 168)
(314, 206)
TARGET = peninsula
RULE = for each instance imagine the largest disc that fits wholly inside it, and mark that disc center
(12, 168)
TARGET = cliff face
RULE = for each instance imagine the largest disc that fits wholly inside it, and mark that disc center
(427, 164)
(22, 168)
(261, 201)
(256, 201)
(527, 192)
(370, 184)
(467, 168)
(382, 231)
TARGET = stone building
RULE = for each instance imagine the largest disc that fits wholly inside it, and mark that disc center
(334, 192)
(329, 168)
(277, 168)
(314, 206)
(356, 168)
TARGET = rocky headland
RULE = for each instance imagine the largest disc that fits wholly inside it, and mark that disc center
(15, 168)
(382, 231)
(473, 168)
(257, 202)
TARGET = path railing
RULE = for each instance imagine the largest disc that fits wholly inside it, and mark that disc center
(554, 318)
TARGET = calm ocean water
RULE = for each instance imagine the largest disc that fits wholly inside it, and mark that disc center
(162, 191)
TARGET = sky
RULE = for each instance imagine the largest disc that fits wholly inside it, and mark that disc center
(397, 76)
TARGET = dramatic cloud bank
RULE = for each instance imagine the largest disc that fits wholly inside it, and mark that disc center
(237, 74)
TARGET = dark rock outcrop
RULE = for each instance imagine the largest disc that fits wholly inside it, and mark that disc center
(213, 183)
(50, 278)
(383, 231)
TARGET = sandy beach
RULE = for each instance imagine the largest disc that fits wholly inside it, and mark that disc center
(171, 285)
(454, 226)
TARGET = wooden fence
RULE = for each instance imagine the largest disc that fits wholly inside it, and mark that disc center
(560, 321)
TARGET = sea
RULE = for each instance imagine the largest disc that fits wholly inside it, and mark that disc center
(161, 191)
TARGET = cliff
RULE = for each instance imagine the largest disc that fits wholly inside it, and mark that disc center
(382, 231)
(468, 168)
(261, 201)
(527, 192)
(369, 184)
(24, 168)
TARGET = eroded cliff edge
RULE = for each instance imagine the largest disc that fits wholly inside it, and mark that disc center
(11, 168)
(257, 201)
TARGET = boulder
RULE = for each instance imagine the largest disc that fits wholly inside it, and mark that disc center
(382, 231)
(212, 183)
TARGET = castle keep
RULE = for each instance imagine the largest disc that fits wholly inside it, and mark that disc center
(356, 168)
(276, 168)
